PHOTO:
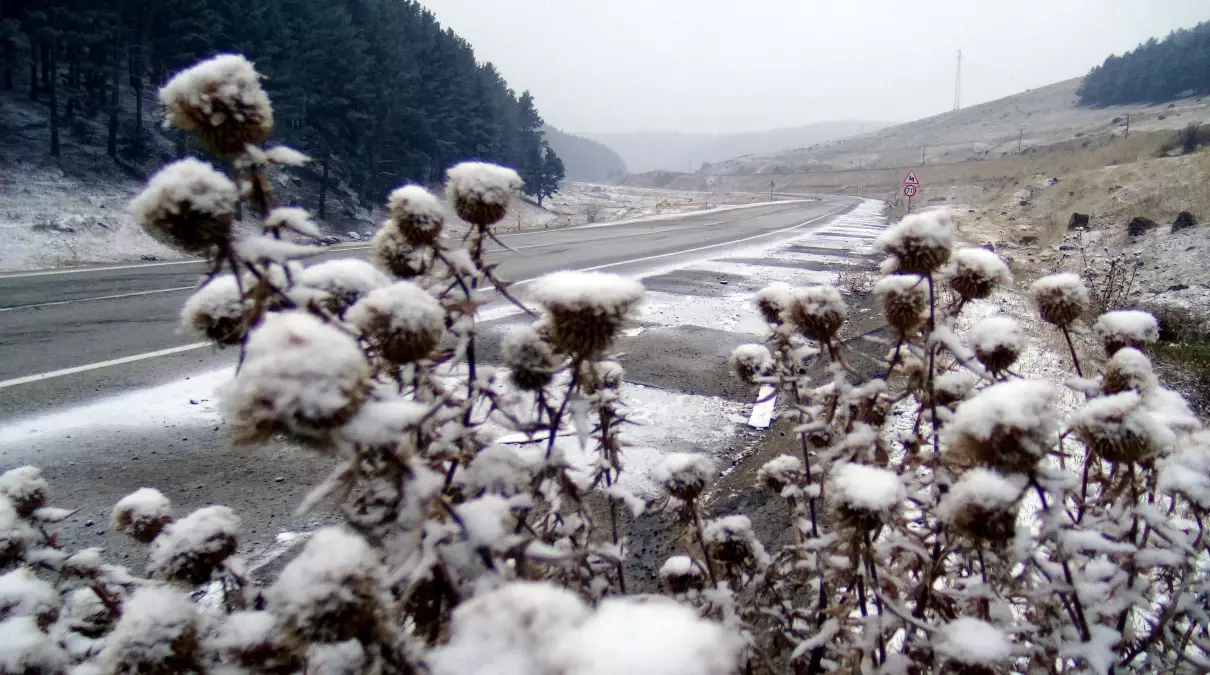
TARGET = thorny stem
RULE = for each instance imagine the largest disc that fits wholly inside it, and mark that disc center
(701, 540)
(873, 572)
(1071, 346)
(1081, 621)
(932, 325)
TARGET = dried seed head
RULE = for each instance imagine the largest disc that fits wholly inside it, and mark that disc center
(22, 593)
(25, 488)
(530, 359)
(27, 650)
(86, 613)
(157, 634)
(342, 282)
(217, 312)
(1119, 429)
(982, 506)
(998, 342)
(480, 192)
(596, 376)
(818, 312)
(15, 534)
(416, 214)
(905, 299)
(402, 320)
(954, 386)
(731, 541)
(585, 309)
(142, 514)
(190, 549)
(1061, 298)
(1128, 370)
(977, 272)
(684, 474)
(919, 244)
(750, 362)
(187, 205)
(220, 101)
(392, 252)
(255, 641)
(781, 472)
(682, 574)
(773, 300)
(863, 497)
(300, 376)
(1008, 426)
(1126, 328)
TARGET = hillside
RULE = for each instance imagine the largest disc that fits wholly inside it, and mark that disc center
(584, 159)
(671, 151)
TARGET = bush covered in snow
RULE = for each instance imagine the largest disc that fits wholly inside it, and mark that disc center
(948, 517)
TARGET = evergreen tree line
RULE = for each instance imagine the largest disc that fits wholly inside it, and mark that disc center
(375, 89)
(1157, 70)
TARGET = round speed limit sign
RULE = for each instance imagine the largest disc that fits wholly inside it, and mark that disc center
(909, 190)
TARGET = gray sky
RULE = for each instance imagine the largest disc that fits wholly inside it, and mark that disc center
(743, 65)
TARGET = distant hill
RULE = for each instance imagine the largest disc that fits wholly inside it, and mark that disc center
(1176, 67)
(584, 159)
(671, 151)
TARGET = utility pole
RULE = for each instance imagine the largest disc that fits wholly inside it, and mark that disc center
(958, 83)
(1020, 138)
(922, 149)
(1127, 126)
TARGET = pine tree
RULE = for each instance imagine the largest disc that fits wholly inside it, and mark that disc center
(548, 177)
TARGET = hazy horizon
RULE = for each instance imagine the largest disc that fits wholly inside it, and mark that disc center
(713, 66)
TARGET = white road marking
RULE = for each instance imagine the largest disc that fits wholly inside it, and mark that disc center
(82, 270)
(762, 410)
(99, 297)
(4, 384)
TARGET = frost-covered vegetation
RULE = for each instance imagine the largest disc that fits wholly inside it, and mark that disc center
(989, 532)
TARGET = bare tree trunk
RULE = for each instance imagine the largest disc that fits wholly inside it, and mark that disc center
(323, 189)
(33, 68)
(10, 55)
(54, 102)
(111, 146)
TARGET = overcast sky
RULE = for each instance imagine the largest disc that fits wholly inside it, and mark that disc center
(744, 65)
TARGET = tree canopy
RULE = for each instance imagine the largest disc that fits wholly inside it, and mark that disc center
(1157, 70)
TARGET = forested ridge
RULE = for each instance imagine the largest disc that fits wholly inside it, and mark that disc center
(375, 90)
(1157, 70)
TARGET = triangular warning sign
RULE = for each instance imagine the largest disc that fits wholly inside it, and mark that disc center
(911, 178)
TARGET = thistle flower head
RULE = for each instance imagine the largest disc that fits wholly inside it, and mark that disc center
(187, 205)
(1128, 369)
(954, 386)
(681, 574)
(15, 533)
(25, 649)
(864, 496)
(1061, 298)
(684, 474)
(217, 312)
(402, 320)
(1126, 328)
(25, 488)
(773, 300)
(254, 640)
(142, 514)
(918, 244)
(972, 646)
(189, 550)
(331, 591)
(300, 376)
(340, 283)
(585, 309)
(997, 341)
(817, 311)
(731, 541)
(977, 272)
(157, 634)
(294, 219)
(1008, 426)
(22, 593)
(416, 214)
(392, 252)
(530, 359)
(602, 375)
(781, 472)
(480, 192)
(1119, 429)
(905, 299)
(221, 102)
(749, 362)
(982, 505)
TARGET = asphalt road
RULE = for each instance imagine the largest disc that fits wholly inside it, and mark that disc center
(71, 338)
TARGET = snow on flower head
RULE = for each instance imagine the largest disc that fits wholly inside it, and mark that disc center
(731, 541)
(954, 386)
(1187, 471)
(25, 649)
(217, 311)
(918, 244)
(748, 362)
(417, 214)
(25, 488)
(285, 156)
(780, 472)
(157, 633)
(300, 376)
(685, 474)
(997, 341)
(648, 636)
(393, 253)
(1128, 369)
(905, 299)
(597, 376)
(530, 358)
(331, 591)
(342, 282)
(190, 549)
(22, 593)
(498, 469)
(1126, 328)
(15, 533)
(142, 514)
(382, 424)
(254, 641)
(817, 311)
(1118, 428)
(1061, 298)
(480, 192)
(511, 630)
(221, 102)
(187, 205)
(773, 300)
(981, 505)
(586, 309)
(973, 642)
(977, 272)
(863, 494)
(292, 218)
(1008, 426)
(681, 574)
(402, 320)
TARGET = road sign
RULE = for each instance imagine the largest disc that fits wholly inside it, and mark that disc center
(911, 178)
(909, 190)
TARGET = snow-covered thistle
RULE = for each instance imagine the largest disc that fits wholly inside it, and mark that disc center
(188, 204)
(998, 342)
(1061, 298)
(1126, 328)
(481, 192)
(221, 102)
(586, 309)
(750, 362)
(401, 320)
(142, 514)
(977, 272)
(817, 311)
(416, 214)
(919, 244)
(905, 301)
